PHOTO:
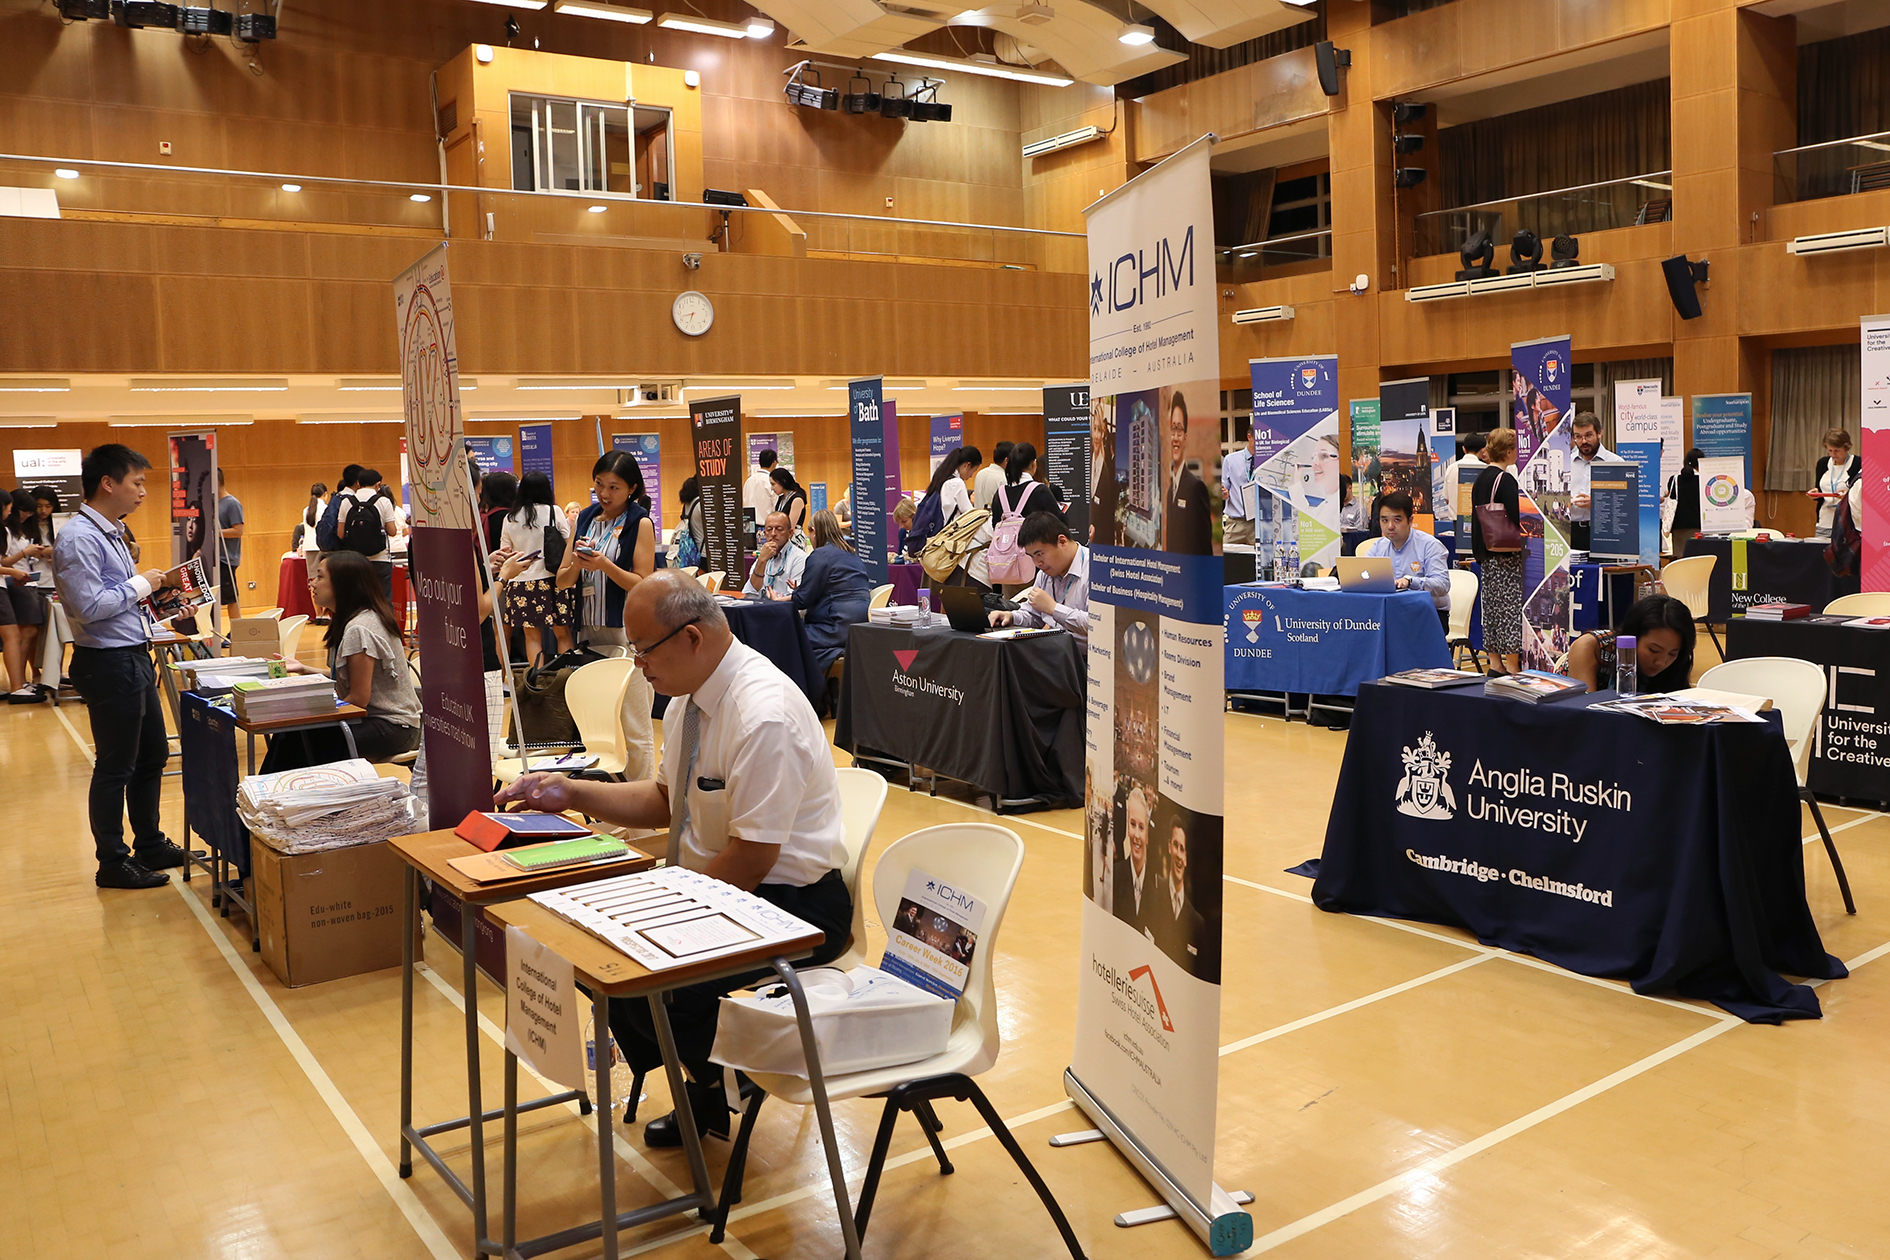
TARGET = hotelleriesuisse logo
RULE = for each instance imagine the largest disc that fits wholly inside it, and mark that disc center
(1424, 791)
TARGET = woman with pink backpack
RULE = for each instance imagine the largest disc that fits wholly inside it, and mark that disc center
(1015, 500)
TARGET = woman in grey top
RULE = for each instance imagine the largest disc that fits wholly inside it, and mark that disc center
(369, 665)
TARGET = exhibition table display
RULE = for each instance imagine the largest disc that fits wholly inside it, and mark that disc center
(1850, 751)
(1668, 856)
(1002, 715)
(1783, 571)
(1327, 642)
(774, 629)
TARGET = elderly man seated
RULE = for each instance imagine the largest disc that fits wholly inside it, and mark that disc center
(778, 565)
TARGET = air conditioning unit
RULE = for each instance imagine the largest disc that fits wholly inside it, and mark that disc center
(1437, 292)
(1069, 139)
(1503, 284)
(1837, 242)
(1263, 315)
(1555, 276)
(1035, 14)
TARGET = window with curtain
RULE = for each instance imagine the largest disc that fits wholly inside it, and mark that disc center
(1814, 388)
(1844, 87)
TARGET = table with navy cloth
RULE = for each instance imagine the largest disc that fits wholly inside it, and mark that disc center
(1782, 571)
(1326, 643)
(1667, 856)
(1850, 751)
(773, 628)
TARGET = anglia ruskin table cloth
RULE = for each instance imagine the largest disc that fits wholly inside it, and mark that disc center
(1663, 855)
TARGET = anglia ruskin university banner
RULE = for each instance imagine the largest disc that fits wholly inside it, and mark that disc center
(1145, 1064)
(1540, 415)
(1875, 420)
(429, 386)
(1296, 423)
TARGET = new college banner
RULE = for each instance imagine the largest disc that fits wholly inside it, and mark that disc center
(429, 389)
(1145, 1064)
(1875, 418)
(1539, 413)
(867, 418)
(1066, 455)
(647, 450)
(715, 431)
(534, 452)
(1297, 467)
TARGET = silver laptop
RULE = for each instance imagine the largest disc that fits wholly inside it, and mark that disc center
(1367, 575)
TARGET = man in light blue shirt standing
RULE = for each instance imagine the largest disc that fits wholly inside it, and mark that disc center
(100, 589)
(1237, 489)
(778, 566)
(1419, 561)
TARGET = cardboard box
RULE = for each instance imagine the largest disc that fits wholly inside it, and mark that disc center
(330, 914)
(256, 636)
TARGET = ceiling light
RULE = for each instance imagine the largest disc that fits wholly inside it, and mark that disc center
(776, 383)
(420, 197)
(292, 188)
(570, 382)
(989, 70)
(176, 422)
(760, 27)
(702, 25)
(362, 384)
(35, 385)
(609, 13)
(517, 4)
(599, 209)
(1012, 387)
(207, 385)
(351, 417)
(66, 172)
(1134, 34)
(32, 422)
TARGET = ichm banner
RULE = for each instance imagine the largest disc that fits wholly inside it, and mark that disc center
(1540, 414)
(429, 389)
(715, 434)
(1144, 1067)
(1297, 469)
(865, 399)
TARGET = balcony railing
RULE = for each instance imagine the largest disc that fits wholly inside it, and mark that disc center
(1276, 251)
(1836, 168)
(147, 193)
(1598, 207)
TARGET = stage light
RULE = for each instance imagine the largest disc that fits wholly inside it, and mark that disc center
(1525, 252)
(1409, 176)
(82, 10)
(1134, 34)
(253, 28)
(202, 21)
(138, 14)
(1564, 250)
(1408, 111)
(1406, 143)
(721, 197)
(1477, 254)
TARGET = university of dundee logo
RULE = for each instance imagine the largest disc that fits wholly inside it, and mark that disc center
(1424, 791)
(1252, 617)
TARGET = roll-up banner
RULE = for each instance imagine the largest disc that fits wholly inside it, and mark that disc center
(1145, 1064)
(1296, 463)
(454, 726)
(1722, 490)
(948, 434)
(429, 388)
(870, 504)
(1443, 495)
(194, 533)
(1066, 454)
(715, 431)
(534, 452)
(1722, 427)
(1540, 414)
(647, 450)
(895, 479)
(1404, 441)
(1874, 416)
(58, 470)
(1364, 444)
(492, 454)
(1637, 422)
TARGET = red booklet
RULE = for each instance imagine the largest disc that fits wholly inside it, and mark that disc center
(489, 831)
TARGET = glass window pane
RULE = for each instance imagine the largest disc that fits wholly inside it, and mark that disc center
(564, 146)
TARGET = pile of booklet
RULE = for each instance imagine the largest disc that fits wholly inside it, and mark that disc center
(274, 699)
(1693, 707)
(1534, 685)
(907, 615)
(1777, 612)
(329, 806)
(1432, 679)
(218, 676)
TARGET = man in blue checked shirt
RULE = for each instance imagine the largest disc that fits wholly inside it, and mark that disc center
(100, 589)
(1237, 488)
(1060, 594)
(1419, 561)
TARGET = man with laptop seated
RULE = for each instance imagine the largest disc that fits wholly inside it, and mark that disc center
(1418, 561)
(1059, 596)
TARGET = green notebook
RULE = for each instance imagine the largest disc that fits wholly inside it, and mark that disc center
(545, 857)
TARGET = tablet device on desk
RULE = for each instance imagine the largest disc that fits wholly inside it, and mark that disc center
(964, 608)
(1367, 575)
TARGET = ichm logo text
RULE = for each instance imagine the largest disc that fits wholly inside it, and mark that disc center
(1125, 285)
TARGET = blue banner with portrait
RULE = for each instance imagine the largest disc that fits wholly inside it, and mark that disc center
(864, 406)
(492, 454)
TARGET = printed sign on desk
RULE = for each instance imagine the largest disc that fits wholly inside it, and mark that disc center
(544, 1012)
(715, 431)
(452, 672)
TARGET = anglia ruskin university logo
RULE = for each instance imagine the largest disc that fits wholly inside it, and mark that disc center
(1254, 619)
(1424, 791)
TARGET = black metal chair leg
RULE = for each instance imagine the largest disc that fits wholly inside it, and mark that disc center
(928, 1121)
(737, 1169)
(882, 1142)
(630, 1106)
(1717, 645)
(1837, 864)
(1024, 1165)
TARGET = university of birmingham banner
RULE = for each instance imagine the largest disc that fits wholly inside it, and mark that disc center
(1146, 1059)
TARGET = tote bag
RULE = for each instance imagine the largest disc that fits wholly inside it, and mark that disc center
(1499, 532)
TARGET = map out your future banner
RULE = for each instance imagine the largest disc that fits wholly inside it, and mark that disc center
(1543, 453)
(1146, 1060)
(1297, 465)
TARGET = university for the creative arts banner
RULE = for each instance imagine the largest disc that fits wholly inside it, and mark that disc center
(194, 529)
(534, 452)
(1541, 417)
(647, 450)
(867, 418)
(1145, 1063)
(715, 433)
(492, 454)
(1875, 451)
(1404, 441)
(1296, 463)
(1722, 426)
(429, 388)
(1066, 455)
(948, 434)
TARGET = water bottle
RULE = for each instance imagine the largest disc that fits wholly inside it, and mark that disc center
(1626, 665)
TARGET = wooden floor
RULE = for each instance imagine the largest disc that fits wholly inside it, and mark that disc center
(1386, 1090)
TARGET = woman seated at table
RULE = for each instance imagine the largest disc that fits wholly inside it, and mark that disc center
(369, 666)
(1662, 629)
(833, 591)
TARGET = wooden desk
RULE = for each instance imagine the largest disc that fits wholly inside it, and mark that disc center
(430, 853)
(343, 714)
(609, 973)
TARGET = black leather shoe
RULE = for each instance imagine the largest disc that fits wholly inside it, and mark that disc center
(161, 857)
(710, 1106)
(129, 874)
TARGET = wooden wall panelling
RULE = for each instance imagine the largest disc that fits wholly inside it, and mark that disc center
(1474, 37)
(1253, 98)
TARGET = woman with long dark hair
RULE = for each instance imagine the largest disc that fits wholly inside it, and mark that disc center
(532, 600)
(1663, 633)
(22, 559)
(1020, 492)
(498, 495)
(302, 537)
(790, 498)
(834, 590)
(946, 498)
(369, 665)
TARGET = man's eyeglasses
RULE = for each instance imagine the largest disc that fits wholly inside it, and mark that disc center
(639, 653)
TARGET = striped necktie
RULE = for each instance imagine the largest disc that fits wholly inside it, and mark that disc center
(679, 790)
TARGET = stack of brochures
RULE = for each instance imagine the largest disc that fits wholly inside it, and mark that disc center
(276, 699)
(908, 616)
(1433, 678)
(1679, 709)
(332, 806)
(1777, 612)
(218, 676)
(1534, 685)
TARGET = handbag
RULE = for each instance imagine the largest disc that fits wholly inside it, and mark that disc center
(1499, 532)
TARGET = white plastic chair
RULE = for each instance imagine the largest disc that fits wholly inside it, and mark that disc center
(1687, 581)
(712, 582)
(289, 635)
(594, 695)
(1797, 690)
(981, 859)
(882, 596)
(1463, 602)
(1862, 604)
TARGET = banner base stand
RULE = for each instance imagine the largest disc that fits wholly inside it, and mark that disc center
(1220, 1224)
(1162, 1212)
(1078, 1138)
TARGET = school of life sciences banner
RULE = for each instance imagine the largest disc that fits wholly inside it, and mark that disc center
(1146, 1058)
(1297, 468)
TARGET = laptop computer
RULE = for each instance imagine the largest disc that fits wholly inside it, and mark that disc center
(1367, 575)
(964, 608)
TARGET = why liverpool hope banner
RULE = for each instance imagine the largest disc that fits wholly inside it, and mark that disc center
(1148, 990)
(1296, 463)
(1539, 412)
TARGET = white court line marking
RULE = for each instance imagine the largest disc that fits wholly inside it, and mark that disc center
(1815, 838)
(1354, 1004)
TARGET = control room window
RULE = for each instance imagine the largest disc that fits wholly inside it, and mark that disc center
(564, 145)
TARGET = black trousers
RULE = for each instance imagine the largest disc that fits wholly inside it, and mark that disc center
(384, 570)
(375, 738)
(692, 1009)
(119, 687)
(1578, 535)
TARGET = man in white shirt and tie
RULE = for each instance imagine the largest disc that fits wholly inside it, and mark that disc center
(748, 790)
(1237, 490)
(1585, 431)
(777, 568)
(1135, 891)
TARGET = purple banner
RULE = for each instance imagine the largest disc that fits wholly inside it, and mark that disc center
(1539, 392)
(647, 450)
(889, 416)
(452, 673)
(948, 434)
(534, 451)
